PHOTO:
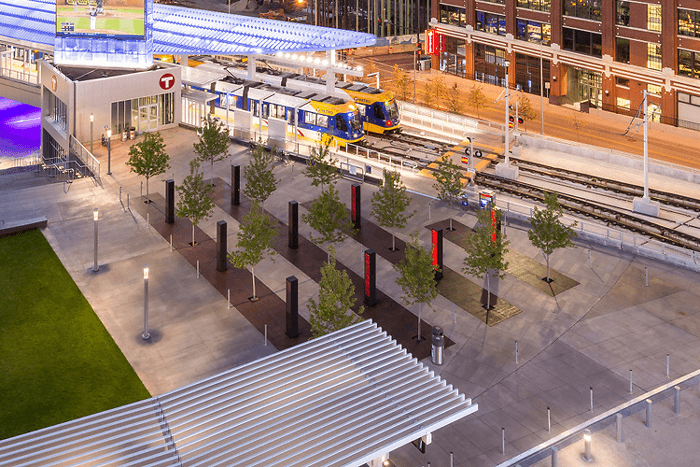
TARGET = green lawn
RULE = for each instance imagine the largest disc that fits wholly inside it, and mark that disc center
(57, 360)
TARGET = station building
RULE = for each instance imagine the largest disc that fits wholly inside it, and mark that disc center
(601, 53)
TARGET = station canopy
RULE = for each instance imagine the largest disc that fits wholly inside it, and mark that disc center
(187, 31)
(343, 399)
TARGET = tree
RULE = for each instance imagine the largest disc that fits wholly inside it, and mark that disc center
(148, 158)
(525, 110)
(213, 143)
(260, 181)
(449, 184)
(440, 91)
(453, 99)
(476, 98)
(486, 249)
(548, 233)
(416, 276)
(429, 92)
(195, 201)
(336, 295)
(389, 204)
(401, 82)
(327, 216)
(322, 166)
(255, 238)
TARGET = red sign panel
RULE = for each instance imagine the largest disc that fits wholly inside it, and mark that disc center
(430, 41)
(166, 81)
(494, 226)
(435, 248)
(367, 275)
(354, 203)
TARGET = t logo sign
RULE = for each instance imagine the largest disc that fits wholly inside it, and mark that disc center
(167, 81)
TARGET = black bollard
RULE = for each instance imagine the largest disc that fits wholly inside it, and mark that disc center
(292, 307)
(221, 258)
(293, 223)
(235, 185)
(370, 278)
(170, 201)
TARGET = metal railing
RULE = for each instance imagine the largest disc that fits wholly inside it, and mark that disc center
(25, 161)
(87, 160)
(568, 434)
(7, 70)
(444, 122)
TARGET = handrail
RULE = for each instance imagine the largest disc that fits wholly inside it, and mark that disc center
(89, 161)
(582, 426)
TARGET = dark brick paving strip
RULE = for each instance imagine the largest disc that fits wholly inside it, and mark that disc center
(525, 269)
(270, 310)
(396, 320)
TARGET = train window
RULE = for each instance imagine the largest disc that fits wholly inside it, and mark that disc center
(310, 118)
(378, 112)
(289, 116)
(322, 121)
(362, 109)
(265, 110)
(255, 108)
(340, 123)
(356, 122)
(273, 110)
(393, 109)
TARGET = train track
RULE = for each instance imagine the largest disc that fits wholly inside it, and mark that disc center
(616, 186)
(580, 205)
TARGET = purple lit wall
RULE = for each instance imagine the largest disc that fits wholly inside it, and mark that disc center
(20, 128)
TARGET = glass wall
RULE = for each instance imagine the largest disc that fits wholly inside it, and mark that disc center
(541, 5)
(689, 63)
(533, 31)
(527, 73)
(453, 59)
(58, 111)
(489, 64)
(144, 114)
(688, 22)
(584, 42)
(491, 23)
(453, 15)
(589, 9)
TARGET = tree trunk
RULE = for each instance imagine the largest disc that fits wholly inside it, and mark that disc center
(193, 235)
(147, 186)
(420, 309)
(212, 172)
(393, 242)
(253, 269)
(451, 228)
(547, 258)
(488, 291)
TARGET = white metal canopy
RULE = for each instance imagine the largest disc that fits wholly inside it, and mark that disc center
(339, 400)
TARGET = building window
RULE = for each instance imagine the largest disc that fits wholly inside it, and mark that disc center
(584, 42)
(689, 63)
(654, 89)
(453, 15)
(624, 82)
(453, 59)
(488, 22)
(532, 31)
(623, 103)
(502, 2)
(541, 5)
(622, 50)
(688, 21)
(58, 112)
(622, 16)
(654, 17)
(489, 64)
(589, 9)
(527, 73)
(654, 56)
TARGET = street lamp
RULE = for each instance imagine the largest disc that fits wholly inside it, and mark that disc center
(109, 150)
(541, 89)
(95, 217)
(145, 334)
(507, 156)
(92, 117)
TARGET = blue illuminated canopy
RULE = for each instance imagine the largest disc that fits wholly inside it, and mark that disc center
(188, 31)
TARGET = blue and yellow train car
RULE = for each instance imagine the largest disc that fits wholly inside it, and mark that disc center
(380, 113)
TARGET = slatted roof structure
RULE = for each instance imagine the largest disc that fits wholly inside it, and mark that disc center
(188, 31)
(339, 400)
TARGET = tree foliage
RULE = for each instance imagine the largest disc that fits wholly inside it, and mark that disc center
(260, 179)
(416, 276)
(336, 295)
(213, 142)
(429, 92)
(327, 216)
(322, 167)
(548, 233)
(453, 99)
(195, 201)
(483, 253)
(525, 109)
(476, 98)
(440, 91)
(148, 158)
(401, 82)
(255, 237)
(449, 183)
(390, 203)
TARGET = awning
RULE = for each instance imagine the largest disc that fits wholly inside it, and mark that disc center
(339, 400)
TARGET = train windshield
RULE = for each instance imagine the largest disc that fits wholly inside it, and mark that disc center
(355, 122)
(393, 109)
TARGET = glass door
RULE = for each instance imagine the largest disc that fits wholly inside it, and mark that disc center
(148, 118)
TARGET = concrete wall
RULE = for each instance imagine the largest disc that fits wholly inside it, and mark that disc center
(20, 92)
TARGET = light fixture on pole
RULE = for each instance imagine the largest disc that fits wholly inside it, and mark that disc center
(644, 204)
(541, 90)
(504, 169)
(109, 150)
(145, 334)
(95, 217)
(92, 118)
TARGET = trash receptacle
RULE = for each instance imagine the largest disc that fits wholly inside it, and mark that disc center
(425, 64)
(436, 352)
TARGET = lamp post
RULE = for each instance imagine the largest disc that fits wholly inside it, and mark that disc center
(541, 90)
(145, 334)
(507, 156)
(95, 217)
(92, 117)
(109, 150)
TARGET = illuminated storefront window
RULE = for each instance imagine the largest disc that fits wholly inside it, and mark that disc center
(532, 31)
(654, 56)
(589, 9)
(453, 15)
(489, 64)
(541, 5)
(453, 59)
(654, 18)
(488, 22)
